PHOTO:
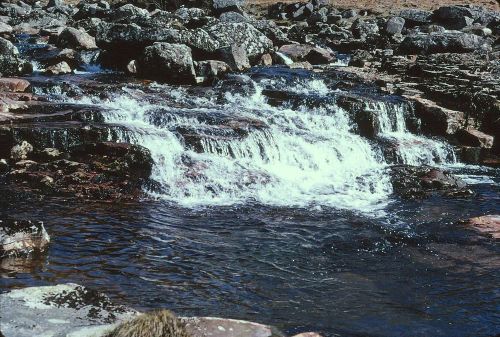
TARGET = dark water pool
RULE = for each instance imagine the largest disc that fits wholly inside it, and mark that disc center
(413, 272)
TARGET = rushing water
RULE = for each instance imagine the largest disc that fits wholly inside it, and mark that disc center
(269, 206)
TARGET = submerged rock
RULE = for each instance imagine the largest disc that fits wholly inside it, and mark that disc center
(486, 224)
(22, 237)
(415, 182)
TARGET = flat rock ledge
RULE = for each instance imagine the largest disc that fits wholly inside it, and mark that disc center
(72, 310)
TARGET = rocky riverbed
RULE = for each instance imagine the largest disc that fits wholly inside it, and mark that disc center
(214, 106)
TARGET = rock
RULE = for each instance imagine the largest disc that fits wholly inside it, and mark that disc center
(362, 29)
(5, 28)
(132, 67)
(303, 12)
(318, 16)
(437, 120)
(47, 155)
(415, 17)
(349, 13)
(127, 11)
(167, 62)
(235, 56)
(453, 17)
(241, 34)
(486, 224)
(21, 151)
(448, 42)
(221, 6)
(61, 310)
(13, 84)
(212, 69)
(75, 39)
(301, 65)
(11, 64)
(296, 52)
(55, 3)
(320, 56)
(394, 25)
(308, 334)
(266, 60)
(470, 155)
(58, 69)
(415, 182)
(22, 237)
(4, 166)
(476, 138)
(223, 327)
(233, 17)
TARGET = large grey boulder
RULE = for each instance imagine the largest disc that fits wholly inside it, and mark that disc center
(75, 39)
(235, 56)
(242, 34)
(61, 310)
(447, 42)
(394, 25)
(167, 62)
(11, 64)
(453, 17)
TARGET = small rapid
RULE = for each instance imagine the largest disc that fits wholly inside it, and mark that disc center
(228, 147)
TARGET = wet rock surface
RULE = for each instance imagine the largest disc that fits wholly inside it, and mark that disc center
(22, 238)
(419, 182)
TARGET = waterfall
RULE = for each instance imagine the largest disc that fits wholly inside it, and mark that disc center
(237, 148)
(410, 149)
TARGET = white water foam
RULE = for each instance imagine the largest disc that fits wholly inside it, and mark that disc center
(304, 157)
(411, 149)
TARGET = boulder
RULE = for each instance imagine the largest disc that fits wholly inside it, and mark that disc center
(241, 34)
(167, 62)
(13, 84)
(476, 138)
(437, 120)
(127, 11)
(296, 52)
(75, 39)
(235, 56)
(5, 28)
(394, 25)
(453, 17)
(221, 6)
(415, 17)
(61, 310)
(416, 182)
(22, 237)
(448, 42)
(362, 29)
(60, 68)
(212, 69)
(21, 151)
(486, 224)
(11, 64)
